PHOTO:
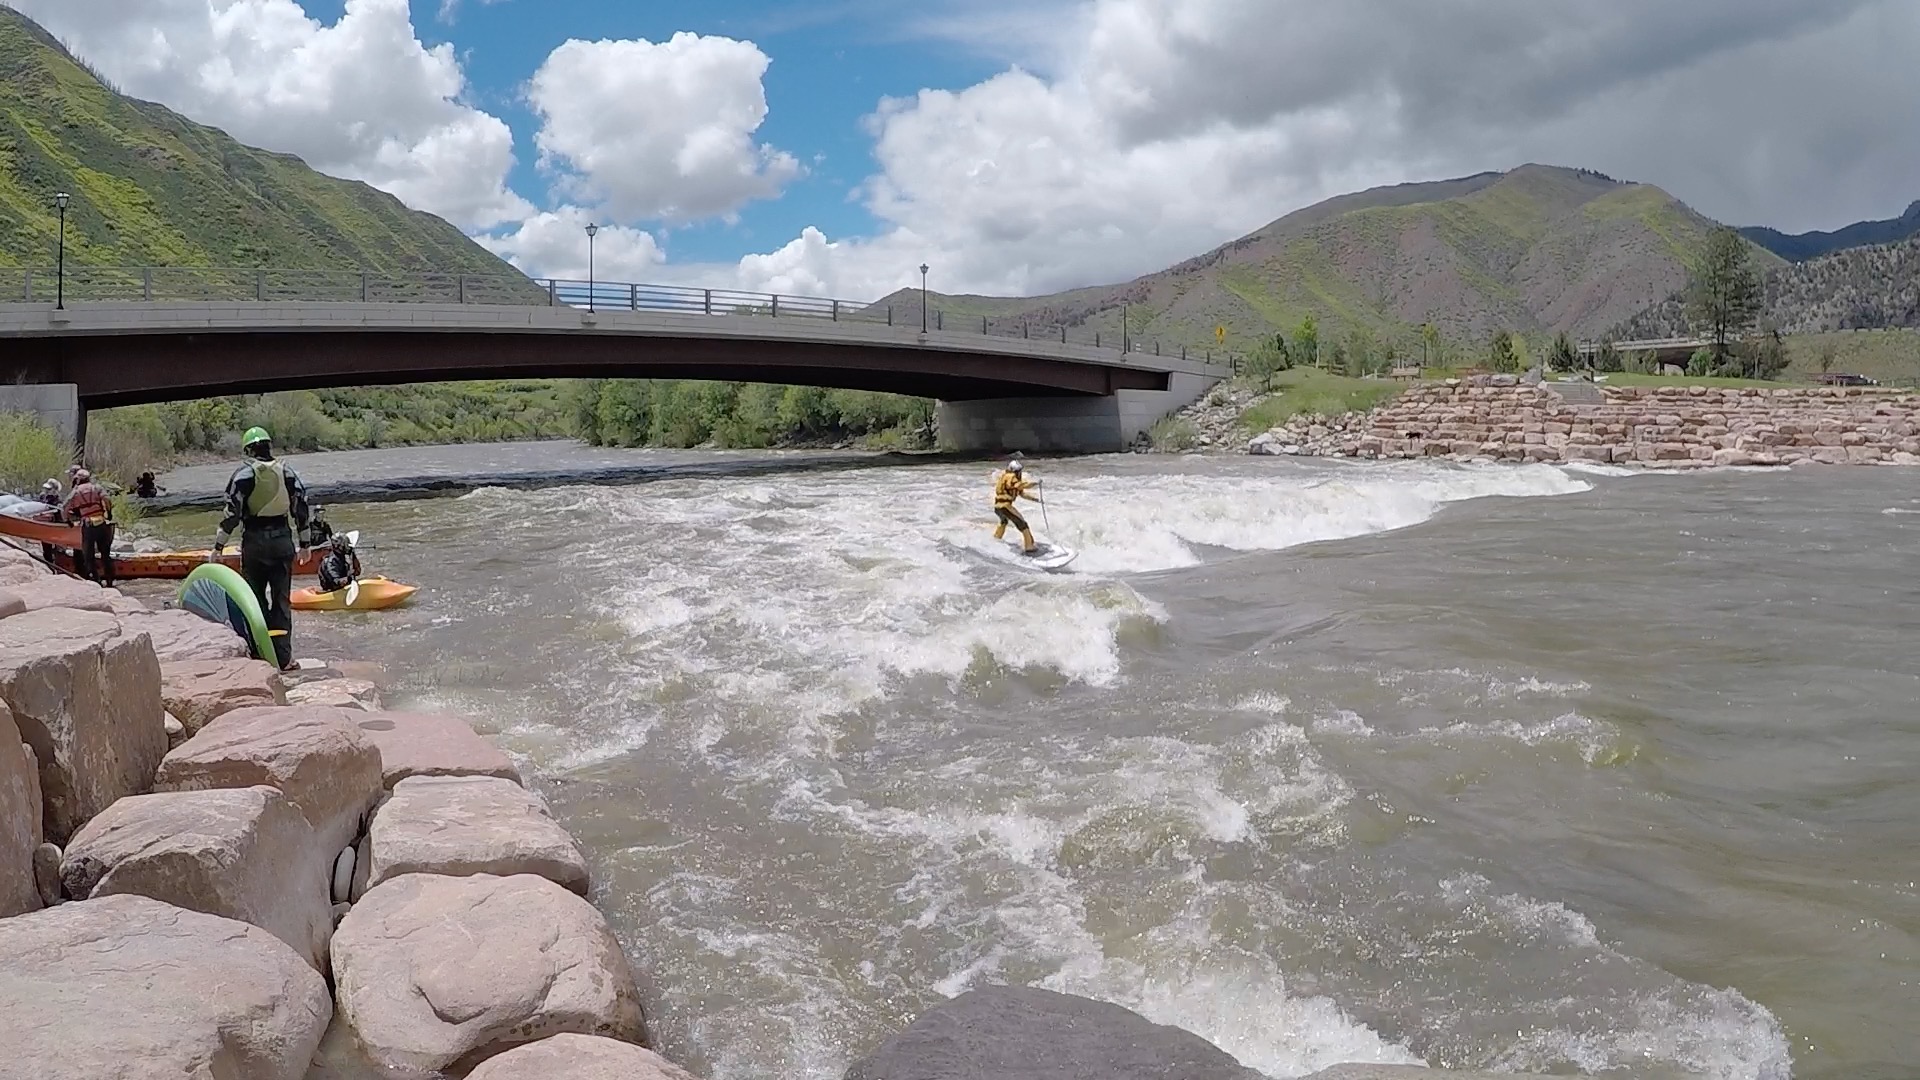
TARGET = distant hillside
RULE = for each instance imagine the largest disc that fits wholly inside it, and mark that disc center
(1803, 246)
(1868, 288)
(1537, 250)
(150, 187)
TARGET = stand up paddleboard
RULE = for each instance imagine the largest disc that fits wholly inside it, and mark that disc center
(1047, 557)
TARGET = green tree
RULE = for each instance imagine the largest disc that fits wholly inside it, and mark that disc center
(1306, 343)
(1429, 345)
(1563, 356)
(1504, 355)
(1270, 359)
(1829, 355)
(1723, 293)
(1608, 358)
(1337, 360)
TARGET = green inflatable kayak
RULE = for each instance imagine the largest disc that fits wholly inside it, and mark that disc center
(219, 594)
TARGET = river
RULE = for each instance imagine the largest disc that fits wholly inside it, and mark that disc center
(1511, 768)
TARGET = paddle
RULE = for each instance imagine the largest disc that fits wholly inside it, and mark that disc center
(353, 587)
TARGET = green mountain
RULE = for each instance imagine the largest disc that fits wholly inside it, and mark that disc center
(1856, 288)
(1537, 250)
(152, 188)
(1799, 247)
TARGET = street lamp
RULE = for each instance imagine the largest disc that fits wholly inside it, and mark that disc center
(60, 199)
(923, 298)
(592, 231)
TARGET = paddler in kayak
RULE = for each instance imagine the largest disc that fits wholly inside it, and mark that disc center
(340, 567)
(269, 503)
(1011, 484)
(88, 506)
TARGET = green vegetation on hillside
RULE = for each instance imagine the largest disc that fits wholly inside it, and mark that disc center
(151, 188)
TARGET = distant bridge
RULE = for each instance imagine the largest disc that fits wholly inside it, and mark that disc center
(1664, 350)
(135, 335)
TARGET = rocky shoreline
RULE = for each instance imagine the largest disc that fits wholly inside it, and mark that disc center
(212, 869)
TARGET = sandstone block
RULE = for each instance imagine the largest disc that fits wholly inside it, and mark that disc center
(46, 592)
(317, 758)
(11, 603)
(86, 696)
(1725, 458)
(1865, 455)
(1009, 1031)
(46, 874)
(357, 695)
(198, 691)
(134, 989)
(579, 1057)
(438, 974)
(433, 744)
(240, 853)
(19, 820)
(181, 635)
(461, 825)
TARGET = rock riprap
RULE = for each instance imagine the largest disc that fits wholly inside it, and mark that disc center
(460, 825)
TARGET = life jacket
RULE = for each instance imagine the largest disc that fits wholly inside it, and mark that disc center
(271, 500)
(1007, 486)
(88, 505)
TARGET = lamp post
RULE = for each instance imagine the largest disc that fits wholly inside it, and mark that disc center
(60, 199)
(923, 298)
(1124, 339)
(592, 231)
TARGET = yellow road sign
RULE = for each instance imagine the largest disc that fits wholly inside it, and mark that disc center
(1220, 332)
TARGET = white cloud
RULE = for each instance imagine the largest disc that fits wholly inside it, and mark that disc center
(361, 98)
(658, 131)
(554, 244)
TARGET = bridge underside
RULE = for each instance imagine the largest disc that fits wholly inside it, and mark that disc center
(134, 369)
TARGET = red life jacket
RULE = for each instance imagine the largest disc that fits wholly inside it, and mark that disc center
(88, 505)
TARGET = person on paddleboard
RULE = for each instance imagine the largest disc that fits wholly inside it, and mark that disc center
(89, 506)
(341, 567)
(269, 503)
(1011, 484)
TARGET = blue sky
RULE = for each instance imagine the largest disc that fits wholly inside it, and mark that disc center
(1028, 146)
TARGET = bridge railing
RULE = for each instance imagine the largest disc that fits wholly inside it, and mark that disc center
(158, 284)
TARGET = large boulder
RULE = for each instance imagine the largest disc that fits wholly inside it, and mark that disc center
(316, 757)
(358, 695)
(134, 989)
(241, 853)
(198, 691)
(460, 825)
(86, 694)
(437, 974)
(19, 820)
(65, 592)
(11, 603)
(181, 635)
(432, 744)
(579, 1057)
(1020, 1033)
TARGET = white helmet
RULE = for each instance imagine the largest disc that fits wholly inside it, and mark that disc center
(1014, 466)
(50, 485)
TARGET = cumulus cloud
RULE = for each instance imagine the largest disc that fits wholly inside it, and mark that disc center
(554, 244)
(658, 131)
(1152, 130)
(361, 98)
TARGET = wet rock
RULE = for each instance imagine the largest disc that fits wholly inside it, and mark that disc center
(579, 1057)
(317, 758)
(199, 691)
(460, 825)
(181, 635)
(19, 820)
(433, 744)
(46, 874)
(85, 693)
(438, 974)
(357, 695)
(240, 853)
(134, 989)
(1010, 1031)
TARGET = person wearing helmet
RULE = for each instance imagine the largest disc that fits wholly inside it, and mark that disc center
(1011, 484)
(267, 501)
(89, 506)
(341, 567)
(50, 492)
(319, 530)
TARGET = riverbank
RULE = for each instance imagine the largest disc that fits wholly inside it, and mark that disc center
(425, 472)
(207, 864)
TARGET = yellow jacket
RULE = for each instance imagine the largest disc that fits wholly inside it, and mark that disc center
(1008, 486)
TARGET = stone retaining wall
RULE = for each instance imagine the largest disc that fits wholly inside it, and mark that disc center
(1496, 419)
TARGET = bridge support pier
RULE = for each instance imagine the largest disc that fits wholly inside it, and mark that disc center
(1070, 425)
(56, 405)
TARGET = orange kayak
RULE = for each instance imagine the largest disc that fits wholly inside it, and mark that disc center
(376, 594)
(174, 565)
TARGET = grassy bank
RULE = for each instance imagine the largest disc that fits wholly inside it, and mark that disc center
(1304, 390)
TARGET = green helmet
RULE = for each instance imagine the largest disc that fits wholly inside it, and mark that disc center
(255, 435)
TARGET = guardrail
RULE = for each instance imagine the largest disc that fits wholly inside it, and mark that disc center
(159, 284)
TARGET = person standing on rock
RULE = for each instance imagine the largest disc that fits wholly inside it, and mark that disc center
(88, 506)
(1011, 484)
(267, 500)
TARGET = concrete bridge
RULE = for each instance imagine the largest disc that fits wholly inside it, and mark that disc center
(126, 336)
